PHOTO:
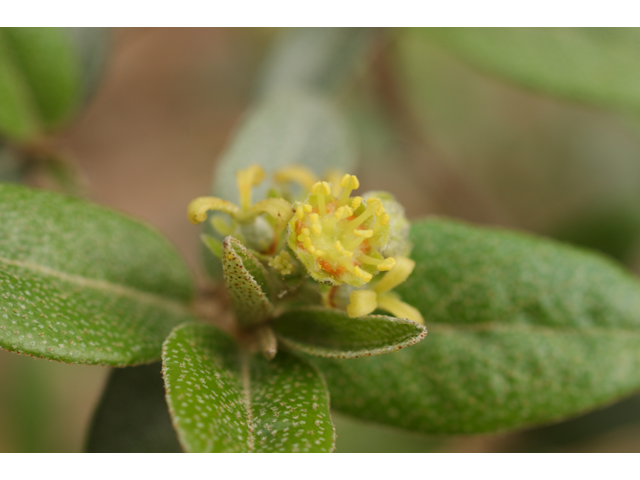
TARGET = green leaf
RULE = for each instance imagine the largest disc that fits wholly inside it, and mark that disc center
(223, 399)
(40, 80)
(331, 333)
(132, 415)
(315, 59)
(253, 266)
(91, 45)
(281, 131)
(83, 284)
(522, 331)
(250, 304)
(593, 65)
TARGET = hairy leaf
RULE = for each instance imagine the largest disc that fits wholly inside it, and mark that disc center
(39, 80)
(83, 284)
(522, 331)
(132, 415)
(222, 399)
(593, 65)
(314, 59)
(250, 304)
(331, 333)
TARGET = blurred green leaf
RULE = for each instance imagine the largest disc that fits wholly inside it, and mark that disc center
(539, 163)
(613, 229)
(83, 284)
(284, 130)
(39, 80)
(132, 415)
(356, 436)
(91, 45)
(593, 65)
(249, 301)
(331, 333)
(223, 399)
(522, 331)
(314, 59)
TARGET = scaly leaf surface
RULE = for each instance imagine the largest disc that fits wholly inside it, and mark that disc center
(249, 301)
(83, 284)
(222, 399)
(331, 333)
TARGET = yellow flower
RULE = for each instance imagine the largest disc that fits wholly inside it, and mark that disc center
(245, 218)
(340, 239)
(365, 301)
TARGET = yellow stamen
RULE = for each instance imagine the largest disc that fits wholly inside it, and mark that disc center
(198, 208)
(382, 265)
(321, 190)
(348, 183)
(343, 212)
(397, 275)
(363, 233)
(317, 226)
(362, 302)
(373, 205)
(247, 178)
(392, 303)
(358, 272)
(356, 202)
(298, 174)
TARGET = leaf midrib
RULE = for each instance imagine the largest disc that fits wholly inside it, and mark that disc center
(102, 285)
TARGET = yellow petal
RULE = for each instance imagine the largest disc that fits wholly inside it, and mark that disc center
(397, 275)
(362, 302)
(198, 208)
(392, 303)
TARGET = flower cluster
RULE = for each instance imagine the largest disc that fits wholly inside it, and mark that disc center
(340, 240)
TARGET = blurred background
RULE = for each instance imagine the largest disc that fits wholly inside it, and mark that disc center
(445, 137)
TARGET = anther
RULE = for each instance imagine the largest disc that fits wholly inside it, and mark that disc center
(358, 272)
(348, 183)
(363, 233)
